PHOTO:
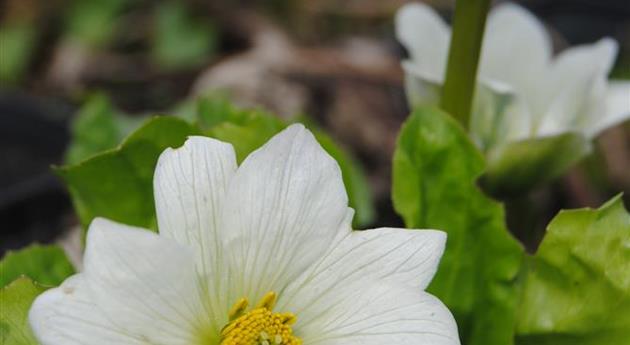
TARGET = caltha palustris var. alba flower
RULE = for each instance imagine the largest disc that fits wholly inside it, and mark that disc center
(523, 90)
(259, 254)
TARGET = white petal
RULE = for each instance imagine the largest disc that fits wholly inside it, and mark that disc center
(67, 316)
(425, 35)
(285, 205)
(617, 108)
(143, 283)
(383, 314)
(498, 115)
(420, 88)
(190, 185)
(361, 258)
(516, 51)
(577, 88)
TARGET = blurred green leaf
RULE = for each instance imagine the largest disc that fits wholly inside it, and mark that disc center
(246, 130)
(17, 45)
(518, 167)
(213, 110)
(180, 40)
(46, 264)
(118, 184)
(16, 299)
(434, 172)
(94, 129)
(577, 286)
(93, 22)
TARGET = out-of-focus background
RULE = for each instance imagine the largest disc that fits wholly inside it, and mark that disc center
(337, 62)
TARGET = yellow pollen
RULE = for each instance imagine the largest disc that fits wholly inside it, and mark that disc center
(259, 326)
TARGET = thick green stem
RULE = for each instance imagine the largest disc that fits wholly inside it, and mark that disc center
(461, 74)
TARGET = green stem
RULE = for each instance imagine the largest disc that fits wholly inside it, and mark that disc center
(461, 74)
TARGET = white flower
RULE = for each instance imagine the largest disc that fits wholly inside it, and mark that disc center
(274, 231)
(523, 91)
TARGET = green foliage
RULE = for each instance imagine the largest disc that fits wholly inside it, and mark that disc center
(434, 173)
(97, 127)
(93, 129)
(17, 44)
(93, 22)
(46, 264)
(16, 299)
(577, 286)
(118, 184)
(518, 167)
(575, 290)
(125, 174)
(180, 40)
(245, 129)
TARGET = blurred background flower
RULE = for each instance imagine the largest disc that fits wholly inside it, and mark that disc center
(524, 92)
(533, 114)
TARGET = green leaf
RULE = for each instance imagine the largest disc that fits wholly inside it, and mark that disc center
(215, 109)
(16, 299)
(94, 129)
(46, 264)
(434, 173)
(179, 39)
(248, 136)
(118, 184)
(518, 167)
(577, 286)
(245, 129)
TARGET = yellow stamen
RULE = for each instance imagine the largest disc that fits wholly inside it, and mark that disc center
(238, 309)
(268, 301)
(259, 326)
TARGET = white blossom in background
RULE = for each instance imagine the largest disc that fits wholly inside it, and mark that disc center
(523, 91)
(259, 254)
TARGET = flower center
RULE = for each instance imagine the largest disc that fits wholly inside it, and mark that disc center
(259, 326)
